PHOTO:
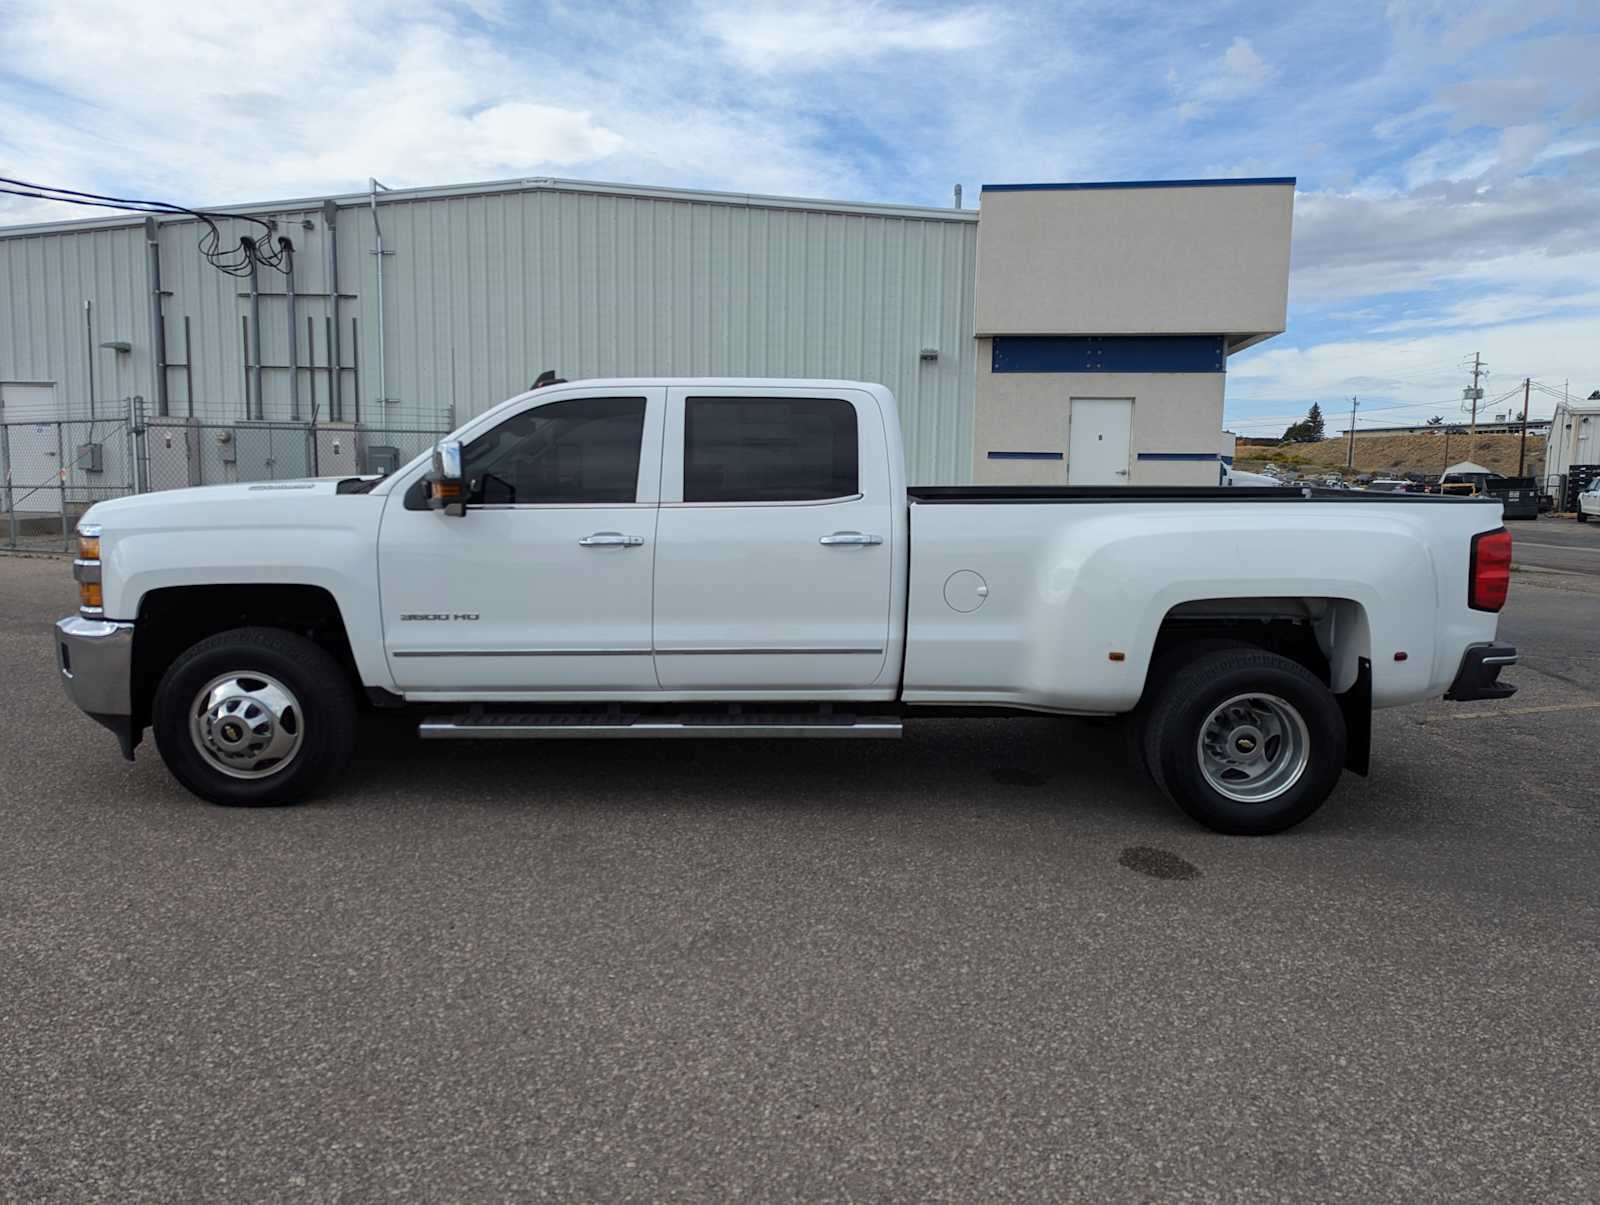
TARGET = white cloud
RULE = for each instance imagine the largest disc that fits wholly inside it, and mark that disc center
(775, 37)
(1475, 200)
(413, 91)
(1239, 73)
(1536, 232)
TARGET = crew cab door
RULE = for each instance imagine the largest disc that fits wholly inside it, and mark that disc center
(543, 587)
(775, 543)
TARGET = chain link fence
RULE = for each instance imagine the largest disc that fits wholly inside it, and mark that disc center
(56, 469)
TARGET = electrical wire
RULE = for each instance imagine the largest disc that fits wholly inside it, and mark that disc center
(267, 251)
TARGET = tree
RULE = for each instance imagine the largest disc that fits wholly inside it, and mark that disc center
(1308, 430)
(1436, 421)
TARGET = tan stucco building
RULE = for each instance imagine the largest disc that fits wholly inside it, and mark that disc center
(1105, 314)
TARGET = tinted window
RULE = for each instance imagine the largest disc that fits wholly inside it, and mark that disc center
(585, 450)
(739, 449)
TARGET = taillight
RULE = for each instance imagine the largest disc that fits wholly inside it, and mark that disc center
(1490, 575)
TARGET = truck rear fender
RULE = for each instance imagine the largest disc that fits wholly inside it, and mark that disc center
(1329, 636)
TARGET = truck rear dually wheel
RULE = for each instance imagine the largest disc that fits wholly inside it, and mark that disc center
(1245, 741)
(254, 717)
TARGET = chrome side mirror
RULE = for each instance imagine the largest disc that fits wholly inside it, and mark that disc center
(445, 490)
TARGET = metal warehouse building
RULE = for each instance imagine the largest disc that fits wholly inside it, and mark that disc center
(1068, 333)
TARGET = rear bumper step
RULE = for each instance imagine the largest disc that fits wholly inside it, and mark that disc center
(547, 726)
(1479, 675)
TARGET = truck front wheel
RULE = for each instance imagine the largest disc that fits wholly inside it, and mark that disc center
(254, 717)
(1245, 741)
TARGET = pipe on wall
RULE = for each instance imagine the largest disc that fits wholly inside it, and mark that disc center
(377, 230)
(330, 223)
(158, 329)
(294, 337)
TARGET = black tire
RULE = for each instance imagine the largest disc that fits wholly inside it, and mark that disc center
(321, 724)
(1162, 667)
(1181, 707)
(1582, 518)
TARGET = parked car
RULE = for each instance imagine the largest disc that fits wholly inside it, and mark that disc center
(743, 558)
(1243, 477)
(1389, 485)
(1589, 503)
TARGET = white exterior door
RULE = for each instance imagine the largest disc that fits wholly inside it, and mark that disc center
(543, 588)
(34, 468)
(1098, 440)
(775, 548)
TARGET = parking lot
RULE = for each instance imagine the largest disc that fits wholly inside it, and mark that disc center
(987, 961)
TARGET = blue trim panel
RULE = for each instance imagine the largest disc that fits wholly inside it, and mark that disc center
(1108, 353)
(1027, 455)
(1069, 187)
(1179, 456)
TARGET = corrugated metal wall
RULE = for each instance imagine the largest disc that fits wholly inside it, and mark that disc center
(483, 291)
(1574, 437)
(44, 331)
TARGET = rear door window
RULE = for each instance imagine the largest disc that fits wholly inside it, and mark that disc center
(769, 449)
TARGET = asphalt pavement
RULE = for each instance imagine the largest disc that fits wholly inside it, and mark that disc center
(987, 961)
(1561, 545)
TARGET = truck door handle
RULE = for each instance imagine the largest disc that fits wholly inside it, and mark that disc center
(611, 539)
(850, 537)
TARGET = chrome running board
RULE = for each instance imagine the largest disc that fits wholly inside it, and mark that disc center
(724, 725)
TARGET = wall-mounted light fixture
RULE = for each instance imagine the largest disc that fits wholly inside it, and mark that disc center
(118, 345)
(930, 353)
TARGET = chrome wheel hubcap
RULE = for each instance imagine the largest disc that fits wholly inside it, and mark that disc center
(1253, 748)
(246, 724)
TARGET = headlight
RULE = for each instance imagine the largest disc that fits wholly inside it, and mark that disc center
(91, 597)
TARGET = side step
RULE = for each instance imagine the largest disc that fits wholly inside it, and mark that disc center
(536, 726)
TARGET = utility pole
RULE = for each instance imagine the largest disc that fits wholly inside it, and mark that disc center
(1522, 448)
(1350, 456)
(1476, 394)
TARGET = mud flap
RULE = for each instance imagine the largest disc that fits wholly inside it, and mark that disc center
(1356, 704)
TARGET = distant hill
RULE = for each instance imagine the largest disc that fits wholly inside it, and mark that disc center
(1424, 452)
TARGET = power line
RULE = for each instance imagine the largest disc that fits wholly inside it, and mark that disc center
(1271, 419)
(266, 252)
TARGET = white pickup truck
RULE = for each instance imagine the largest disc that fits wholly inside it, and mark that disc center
(742, 558)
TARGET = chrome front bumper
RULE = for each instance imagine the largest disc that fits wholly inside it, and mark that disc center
(95, 657)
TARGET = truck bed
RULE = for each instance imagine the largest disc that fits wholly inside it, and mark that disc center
(966, 494)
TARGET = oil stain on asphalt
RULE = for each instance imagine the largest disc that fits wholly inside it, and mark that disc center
(1157, 863)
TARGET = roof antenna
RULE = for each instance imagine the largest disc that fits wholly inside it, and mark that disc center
(548, 377)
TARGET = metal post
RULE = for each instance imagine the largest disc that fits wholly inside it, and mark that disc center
(158, 329)
(330, 341)
(355, 367)
(5, 455)
(88, 333)
(244, 337)
(188, 365)
(255, 324)
(330, 222)
(135, 405)
(61, 484)
(1350, 456)
(294, 337)
(383, 382)
(311, 364)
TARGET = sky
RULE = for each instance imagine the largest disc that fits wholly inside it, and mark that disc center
(1447, 153)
